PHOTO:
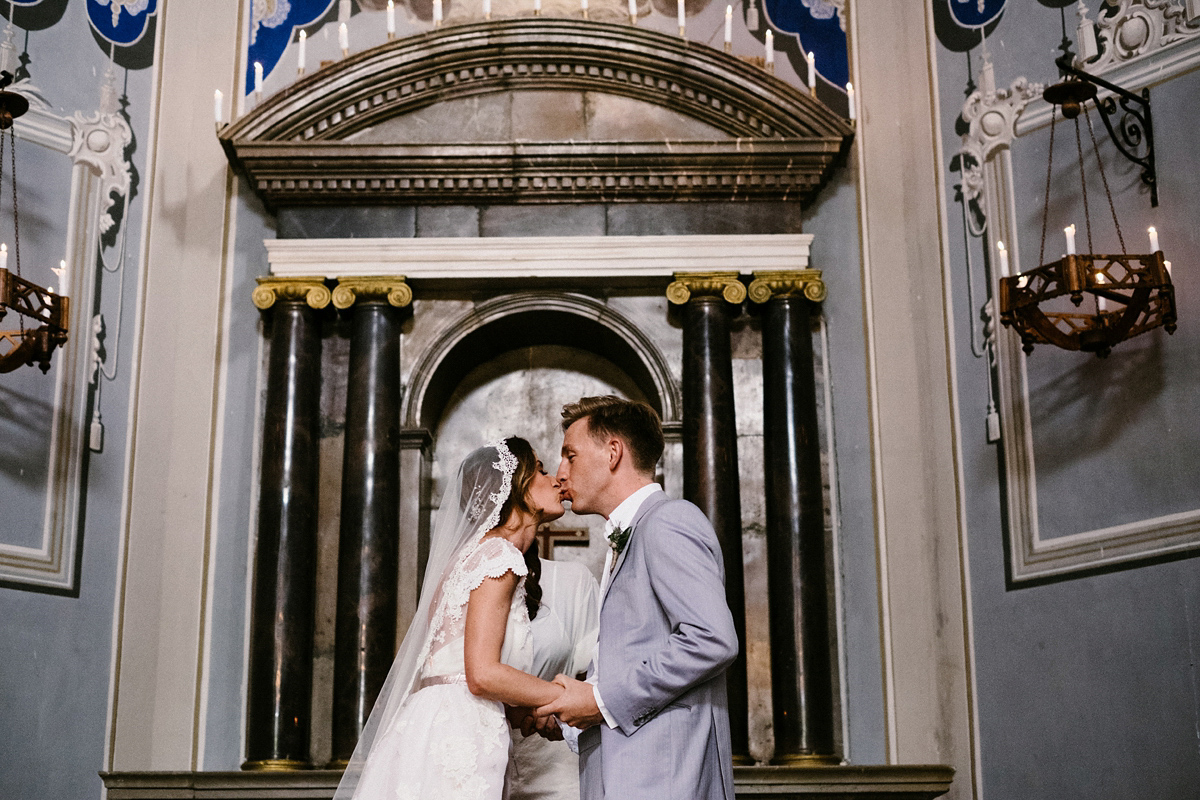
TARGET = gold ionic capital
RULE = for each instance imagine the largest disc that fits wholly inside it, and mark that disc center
(724, 284)
(787, 283)
(271, 288)
(392, 288)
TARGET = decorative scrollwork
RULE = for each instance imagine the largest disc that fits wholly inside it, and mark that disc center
(313, 291)
(724, 284)
(392, 289)
(787, 283)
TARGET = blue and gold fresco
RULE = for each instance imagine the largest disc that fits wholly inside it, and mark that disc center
(272, 27)
(817, 26)
(121, 22)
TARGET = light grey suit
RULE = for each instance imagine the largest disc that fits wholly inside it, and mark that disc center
(666, 639)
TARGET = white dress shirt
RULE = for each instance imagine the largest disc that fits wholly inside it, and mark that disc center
(621, 517)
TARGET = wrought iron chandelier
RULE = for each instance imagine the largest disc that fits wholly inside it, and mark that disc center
(1129, 293)
(33, 342)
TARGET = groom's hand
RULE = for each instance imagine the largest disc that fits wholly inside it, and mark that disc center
(576, 706)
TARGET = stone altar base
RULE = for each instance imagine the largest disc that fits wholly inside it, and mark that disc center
(906, 782)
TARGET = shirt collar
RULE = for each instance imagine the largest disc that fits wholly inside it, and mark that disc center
(623, 515)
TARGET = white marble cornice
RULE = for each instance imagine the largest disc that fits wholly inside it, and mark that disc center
(576, 259)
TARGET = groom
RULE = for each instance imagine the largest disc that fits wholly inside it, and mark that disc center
(653, 707)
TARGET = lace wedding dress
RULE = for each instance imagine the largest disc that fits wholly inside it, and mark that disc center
(445, 743)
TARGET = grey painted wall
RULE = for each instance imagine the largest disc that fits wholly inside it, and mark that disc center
(56, 650)
(1087, 686)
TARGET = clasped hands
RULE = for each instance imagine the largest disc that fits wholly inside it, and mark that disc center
(575, 706)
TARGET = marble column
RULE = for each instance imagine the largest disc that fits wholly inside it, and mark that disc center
(798, 592)
(368, 546)
(283, 605)
(710, 462)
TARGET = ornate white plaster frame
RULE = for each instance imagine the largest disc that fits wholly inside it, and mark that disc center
(96, 147)
(996, 118)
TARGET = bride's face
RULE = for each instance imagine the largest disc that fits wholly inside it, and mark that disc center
(543, 494)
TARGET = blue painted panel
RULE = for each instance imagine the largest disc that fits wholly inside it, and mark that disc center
(270, 35)
(815, 24)
(120, 24)
(976, 13)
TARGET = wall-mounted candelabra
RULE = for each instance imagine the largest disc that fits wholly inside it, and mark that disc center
(43, 315)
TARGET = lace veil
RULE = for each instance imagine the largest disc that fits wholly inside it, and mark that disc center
(470, 508)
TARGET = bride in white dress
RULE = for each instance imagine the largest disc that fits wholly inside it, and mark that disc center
(438, 729)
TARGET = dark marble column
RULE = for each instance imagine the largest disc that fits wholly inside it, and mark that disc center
(368, 552)
(798, 592)
(282, 612)
(710, 462)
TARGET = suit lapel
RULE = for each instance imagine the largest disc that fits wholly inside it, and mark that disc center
(647, 506)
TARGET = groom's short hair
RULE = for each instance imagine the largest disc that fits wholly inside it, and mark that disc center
(634, 422)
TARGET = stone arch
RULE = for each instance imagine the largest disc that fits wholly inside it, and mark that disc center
(757, 136)
(506, 323)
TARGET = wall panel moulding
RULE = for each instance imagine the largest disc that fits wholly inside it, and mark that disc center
(772, 141)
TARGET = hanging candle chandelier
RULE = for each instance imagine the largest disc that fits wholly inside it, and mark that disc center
(1112, 297)
(41, 313)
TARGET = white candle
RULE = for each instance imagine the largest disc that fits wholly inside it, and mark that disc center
(812, 71)
(302, 53)
(62, 275)
(583, 7)
(1101, 303)
(1167, 264)
(679, 12)
(1153, 238)
(633, 12)
(437, 12)
(344, 38)
(258, 77)
(487, 9)
(218, 107)
(850, 100)
(1003, 259)
(4, 256)
(537, 8)
(1070, 232)
(391, 16)
(728, 25)
(770, 48)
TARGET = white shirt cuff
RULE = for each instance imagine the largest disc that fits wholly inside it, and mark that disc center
(608, 718)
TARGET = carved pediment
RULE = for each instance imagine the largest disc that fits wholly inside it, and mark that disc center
(537, 110)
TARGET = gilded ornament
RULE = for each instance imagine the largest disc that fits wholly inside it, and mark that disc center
(393, 289)
(785, 283)
(271, 288)
(726, 284)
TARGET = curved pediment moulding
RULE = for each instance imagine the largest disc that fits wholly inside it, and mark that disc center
(297, 147)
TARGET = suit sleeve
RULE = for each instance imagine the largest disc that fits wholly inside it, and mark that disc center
(683, 565)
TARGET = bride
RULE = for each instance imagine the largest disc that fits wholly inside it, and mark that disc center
(438, 729)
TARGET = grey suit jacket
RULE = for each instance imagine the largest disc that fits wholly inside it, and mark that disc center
(666, 639)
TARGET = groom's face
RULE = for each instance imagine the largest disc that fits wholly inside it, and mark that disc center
(583, 472)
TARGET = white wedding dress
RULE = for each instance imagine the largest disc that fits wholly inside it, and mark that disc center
(445, 743)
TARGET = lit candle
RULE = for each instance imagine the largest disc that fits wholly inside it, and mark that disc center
(679, 13)
(487, 9)
(1070, 232)
(344, 39)
(62, 275)
(301, 54)
(812, 72)
(1101, 303)
(391, 16)
(850, 100)
(770, 59)
(728, 27)
(218, 107)
(1153, 238)
(437, 12)
(1003, 259)
(583, 7)
(633, 12)
(3, 256)
(1167, 264)
(258, 77)
(537, 8)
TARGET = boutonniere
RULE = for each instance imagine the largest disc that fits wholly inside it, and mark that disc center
(618, 539)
